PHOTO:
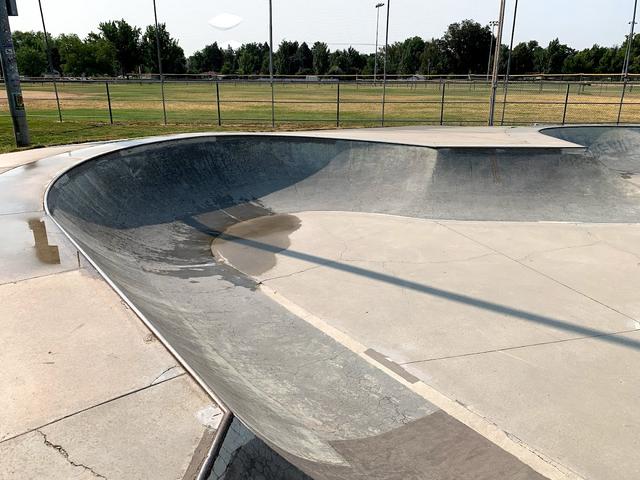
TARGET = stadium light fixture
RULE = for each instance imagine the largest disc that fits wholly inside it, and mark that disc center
(492, 24)
(496, 64)
(627, 60)
(375, 57)
(384, 64)
(164, 106)
(627, 56)
(506, 75)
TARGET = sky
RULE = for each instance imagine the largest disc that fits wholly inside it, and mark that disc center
(340, 23)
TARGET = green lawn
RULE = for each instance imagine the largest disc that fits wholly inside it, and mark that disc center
(192, 106)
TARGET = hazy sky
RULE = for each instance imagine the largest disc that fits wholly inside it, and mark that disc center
(579, 23)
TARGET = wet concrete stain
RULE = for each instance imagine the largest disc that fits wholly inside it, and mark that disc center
(272, 230)
(434, 447)
(46, 253)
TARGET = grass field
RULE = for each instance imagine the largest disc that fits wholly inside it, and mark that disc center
(136, 108)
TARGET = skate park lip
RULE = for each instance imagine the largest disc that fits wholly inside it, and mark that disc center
(145, 216)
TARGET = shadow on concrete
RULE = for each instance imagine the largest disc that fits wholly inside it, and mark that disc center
(426, 289)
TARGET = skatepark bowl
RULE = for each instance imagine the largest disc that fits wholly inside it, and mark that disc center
(346, 299)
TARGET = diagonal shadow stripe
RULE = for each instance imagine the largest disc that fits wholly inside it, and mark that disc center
(425, 289)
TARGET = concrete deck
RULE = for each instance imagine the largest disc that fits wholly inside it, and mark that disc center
(382, 281)
(372, 310)
(87, 388)
(451, 137)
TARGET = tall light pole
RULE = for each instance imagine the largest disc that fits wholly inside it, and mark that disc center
(496, 64)
(627, 59)
(273, 108)
(164, 107)
(506, 77)
(375, 58)
(50, 61)
(384, 63)
(627, 56)
(12, 76)
(492, 24)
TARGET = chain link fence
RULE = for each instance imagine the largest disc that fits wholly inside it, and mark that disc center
(332, 102)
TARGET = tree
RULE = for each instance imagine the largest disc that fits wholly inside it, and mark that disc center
(394, 57)
(30, 53)
(92, 56)
(284, 59)
(320, 58)
(347, 62)
(173, 60)
(467, 45)
(303, 59)
(230, 64)
(410, 61)
(555, 55)
(434, 59)
(523, 57)
(126, 41)
(209, 59)
(249, 59)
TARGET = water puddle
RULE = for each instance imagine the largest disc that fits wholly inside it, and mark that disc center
(251, 246)
(46, 253)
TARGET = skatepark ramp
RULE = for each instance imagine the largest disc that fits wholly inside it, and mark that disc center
(146, 217)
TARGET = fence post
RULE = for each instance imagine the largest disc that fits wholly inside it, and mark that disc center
(55, 89)
(218, 103)
(566, 102)
(338, 105)
(384, 96)
(106, 84)
(442, 104)
(624, 89)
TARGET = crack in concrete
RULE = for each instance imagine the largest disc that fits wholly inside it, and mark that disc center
(289, 274)
(426, 262)
(559, 249)
(545, 275)
(620, 249)
(63, 452)
(163, 373)
(502, 350)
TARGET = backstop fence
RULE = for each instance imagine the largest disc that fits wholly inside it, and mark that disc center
(317, 102)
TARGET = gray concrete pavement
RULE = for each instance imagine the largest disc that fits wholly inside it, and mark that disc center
(361, 294)
(549, 358)
(451, 137)
(86, 386)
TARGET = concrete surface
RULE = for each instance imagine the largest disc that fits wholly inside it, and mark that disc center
(25, 157)
(78, 365)
(155, 438)
(452, 137)
(61, 333)
(331, 389)
(572, 332)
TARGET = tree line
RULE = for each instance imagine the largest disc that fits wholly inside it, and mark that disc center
(118, 48)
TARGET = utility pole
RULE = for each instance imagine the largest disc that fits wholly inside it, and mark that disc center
(11, 75)
(506, 76)
(496, 64)
(384, 65)
(273, 107)
(50, 61)
(164, 107)
(375, 58)
(627, 56)
(627, 60)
